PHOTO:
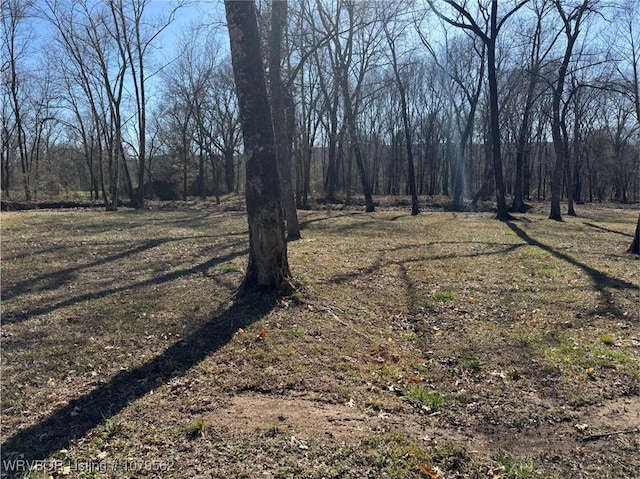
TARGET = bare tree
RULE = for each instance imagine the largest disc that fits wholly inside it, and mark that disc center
(532, 71)
(462, 78)
(572, 19)
(392, 38)
(224, 121)
(14, 45)
(268, 267)
(343, 58)
(7, 148)
(488, 33)
(624, 39)
(90, 39)
(136, 37)
(327, 105)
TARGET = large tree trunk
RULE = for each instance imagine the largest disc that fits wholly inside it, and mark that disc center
(501, 202)
(282, 139)
(268, 267)
(635, 245)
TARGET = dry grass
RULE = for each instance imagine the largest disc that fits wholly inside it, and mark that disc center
(443, 345)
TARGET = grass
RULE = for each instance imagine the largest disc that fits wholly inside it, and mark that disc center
(443, 296)
(123, 325)
(228, 268)
(515, 468)
(607, 339)
(107, 432)
(270, 430)
(195, 429)
(422, 396)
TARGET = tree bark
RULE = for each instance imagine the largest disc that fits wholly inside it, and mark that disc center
(282, 138)
(503, 212)
(635, 245)
(268, 267)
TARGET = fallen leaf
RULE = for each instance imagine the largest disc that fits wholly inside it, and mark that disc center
(411, 379)
(240, 331)
(429, 471)
(590, 370)
(262, 334)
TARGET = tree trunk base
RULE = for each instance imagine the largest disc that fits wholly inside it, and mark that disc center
(521, 208)
(505, 217)
(249, 287)
(635, 245)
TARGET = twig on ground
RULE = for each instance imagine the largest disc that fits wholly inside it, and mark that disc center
(593, 437)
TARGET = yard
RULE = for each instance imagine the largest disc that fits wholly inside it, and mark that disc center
(447, 345)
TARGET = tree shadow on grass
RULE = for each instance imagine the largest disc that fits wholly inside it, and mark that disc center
(382, 261)
(329, 215)
(57, 278)
(602, 282)
(74, 420)
(10, 317)
(601, 228)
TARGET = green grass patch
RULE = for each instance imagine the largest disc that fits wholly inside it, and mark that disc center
(423, 396)
(270, 430)
(515, 468)
(536, 253)
(195, 428)
(473, 364)
(607, 339)
(547, 273)
(228, 268)
(444, 296)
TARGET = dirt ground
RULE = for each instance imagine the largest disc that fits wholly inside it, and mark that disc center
(448, 345)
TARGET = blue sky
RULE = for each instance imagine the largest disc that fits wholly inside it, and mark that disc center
(209, 12)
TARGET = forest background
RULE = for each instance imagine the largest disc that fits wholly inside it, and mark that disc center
(128, 100)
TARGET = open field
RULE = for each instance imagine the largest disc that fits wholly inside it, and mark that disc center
(447, 345)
